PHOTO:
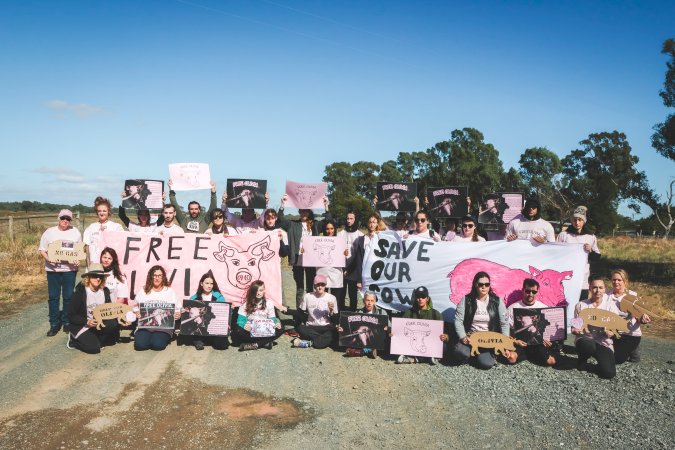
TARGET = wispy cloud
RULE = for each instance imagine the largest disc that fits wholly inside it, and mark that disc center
(57, 171)
(78, 110)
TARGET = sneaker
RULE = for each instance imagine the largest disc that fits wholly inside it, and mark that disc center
(403, 359)
(301, 343)
(354, 352)
(69, 346)
(65, 328)
(248, 346)
(433, 361)
(268, 345)
(53, 331)
(199, 345)
(372, 354)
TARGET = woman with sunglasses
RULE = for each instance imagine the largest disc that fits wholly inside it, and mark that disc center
(422, 227)
(422, 308)
(479, 310)
(219, 225)
(469, 232)
(85, 333)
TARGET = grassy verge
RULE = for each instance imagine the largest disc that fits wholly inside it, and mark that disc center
(22, 277)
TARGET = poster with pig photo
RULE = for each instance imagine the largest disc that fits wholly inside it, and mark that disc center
(396, 196)
(200, 318)
(323, 251)
(157, 315)
(535, 325)
(500, 207)
(449, 201)
(363, 330)
(143, 194)
(245, 193)
(305, 195)
(416, 337)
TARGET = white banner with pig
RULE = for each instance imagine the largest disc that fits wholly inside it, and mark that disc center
(236, 261)
(394, 267)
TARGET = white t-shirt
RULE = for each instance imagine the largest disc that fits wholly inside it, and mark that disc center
(135, 228)
(52, 234)
(590, 239)
(426, 234)
(597, 334)
(350, 237)
(165, 295)
(92, 234)
(118, 289)
(317, 308)
(259, 313)
(174, 228)
(527, 229)
(459, 238)
(634, 323)
(481, 320)
(93, 300)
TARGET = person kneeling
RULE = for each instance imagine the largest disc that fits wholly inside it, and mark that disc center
(320, 328)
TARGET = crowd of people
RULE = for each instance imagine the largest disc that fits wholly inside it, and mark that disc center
(323, 292)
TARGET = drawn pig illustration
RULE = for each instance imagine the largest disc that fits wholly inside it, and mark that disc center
(325, 252)
(507, 283)
(305, 196)
(243, 268)
(417, 339)
(490, 339)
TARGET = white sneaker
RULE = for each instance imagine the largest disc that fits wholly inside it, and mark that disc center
(68, 346)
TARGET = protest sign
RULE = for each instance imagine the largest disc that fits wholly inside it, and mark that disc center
(156, 315)
(245, 193)
(534, 325)
(189, 176)
(500, 207)
(396, 196)
(361, 330)
(416, 337)
(143, 194)
(235, 260)
(323, 251)
(200, 318)
(305, 195)
(262, 327)
(449, 201)
(68, 251)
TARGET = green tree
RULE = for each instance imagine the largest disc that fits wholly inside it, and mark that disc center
(601, 174)
(541, 171)
(663, 140)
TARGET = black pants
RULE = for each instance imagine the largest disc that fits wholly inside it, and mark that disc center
(321, 337)
(351, 289)
(244, 336)
(624, 347)
(538, 354)
(304, 281)
(587, 348)
(217, 342)
(92, 340)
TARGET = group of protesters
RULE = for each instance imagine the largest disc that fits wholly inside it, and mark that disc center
(321, 293)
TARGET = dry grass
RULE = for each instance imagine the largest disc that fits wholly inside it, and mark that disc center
(638, 250)
(22, 277)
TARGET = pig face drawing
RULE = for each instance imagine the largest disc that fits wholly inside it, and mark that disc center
(243, 267)
(416, 338)
(325, 252)
(190, 175)
(305, 196)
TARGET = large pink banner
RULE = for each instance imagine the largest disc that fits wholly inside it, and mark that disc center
(236, 261)
(305, 195)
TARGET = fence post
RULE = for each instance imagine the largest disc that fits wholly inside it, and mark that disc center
(77, 214)
(10, 224)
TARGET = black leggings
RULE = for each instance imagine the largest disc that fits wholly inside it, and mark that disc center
(351, 289)
(92, 339)
(624, 347)
(321, 336)
(244, 336)
(587, 347)
(304, 281)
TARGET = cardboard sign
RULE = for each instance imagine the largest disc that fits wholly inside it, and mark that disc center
(143, 194)
(449, 201)
(323, 251)
(200, 318)
(361, 330)
(396, 196)
(189, 176)
(305, 195)
(534, 325)
(262, 327)
(634, 306)
(244, 193)
(489, 339)
(109, 311)
(416, 337)
(595, 317)
(500, 207)
(157, 315)
(66, 251)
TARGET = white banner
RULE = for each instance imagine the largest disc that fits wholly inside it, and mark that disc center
(394, 267)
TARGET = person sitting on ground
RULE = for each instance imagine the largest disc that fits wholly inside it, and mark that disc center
(197, 221)
(208, 291)
(597, 342)
(257, 308)
(321, 310)
(546, 354)
(423, 308)
(369, 307)
(479, 310)
(529, 224)
(627, 348)
(84, 333)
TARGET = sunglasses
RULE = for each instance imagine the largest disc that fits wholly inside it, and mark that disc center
(65, 218)
(483, 284)
(420, 220)
(530, 291)
(320, 285)
(467, 225)
(217, 216)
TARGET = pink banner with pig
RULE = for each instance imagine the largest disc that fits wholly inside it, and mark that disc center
(236, 261)
(394, 267)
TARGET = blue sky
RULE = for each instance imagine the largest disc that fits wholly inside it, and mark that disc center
(99, 91)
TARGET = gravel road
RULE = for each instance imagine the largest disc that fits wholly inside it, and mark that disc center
(55, 398)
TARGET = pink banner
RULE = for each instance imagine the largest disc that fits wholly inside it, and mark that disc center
(416, 337)
(236, 261)
(323, 251)
(189, 176)
(305, 195)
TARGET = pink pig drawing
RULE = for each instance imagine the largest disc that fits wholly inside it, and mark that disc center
(507, 283)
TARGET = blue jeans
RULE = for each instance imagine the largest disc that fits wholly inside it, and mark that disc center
(60, 284)
(147, 339)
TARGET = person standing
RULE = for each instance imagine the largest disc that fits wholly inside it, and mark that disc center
(529, 224)
(93, 232)
(579, 233)
(422, 227)
(197, 221)
(350, 232)
(169, 226)
(60, 274)
(469, 231)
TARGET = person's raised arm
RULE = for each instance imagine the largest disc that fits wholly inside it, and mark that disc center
(121, 212)
(180, 215)
(213, 204)
(281, 218)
